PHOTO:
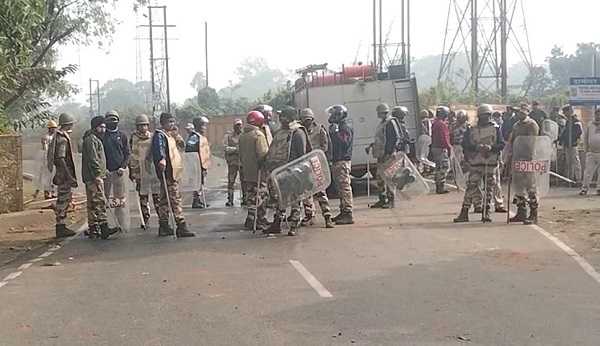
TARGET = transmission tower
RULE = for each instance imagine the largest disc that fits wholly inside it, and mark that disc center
(484, 31)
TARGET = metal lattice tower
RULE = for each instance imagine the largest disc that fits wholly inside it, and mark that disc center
(484, 31)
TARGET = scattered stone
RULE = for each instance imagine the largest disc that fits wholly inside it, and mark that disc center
(55, 264)
(463, 338)
(223, 237)
(71, 258)
(145, 273)
(165, 280)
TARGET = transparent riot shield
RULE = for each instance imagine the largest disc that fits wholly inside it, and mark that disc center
(43, 175)
(402, 176)
(117, 193)
(149, 182)
(457, 171)
(422, 150)
(191, 179)
(530, 166)
(550, 129)
(301, 178)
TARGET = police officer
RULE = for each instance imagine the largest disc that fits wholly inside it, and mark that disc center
(44, 180)
(457, 136)
(440, 148)
(169, 169)
(525, 126)
(192, 145)
(116, 149)
(387, 135)
(253, 149)
(400, 113)
(203, 150)
(342, 139)
(93, 172)
(289, 143)
(60, 154)
(231, 142)
(267, 112)
(569, 139)
(319, 139)
(482, 144)
(140, 167)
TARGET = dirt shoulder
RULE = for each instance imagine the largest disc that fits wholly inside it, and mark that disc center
(575, 220)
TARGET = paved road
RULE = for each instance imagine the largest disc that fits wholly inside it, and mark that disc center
(401, 277)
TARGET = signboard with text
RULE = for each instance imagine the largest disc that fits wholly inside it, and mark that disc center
(584, 91)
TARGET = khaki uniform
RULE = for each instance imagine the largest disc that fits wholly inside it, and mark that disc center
(93, 165)
(139, 171)
(232, 156)
(319, 139)
(253, 149)
(341, 173)
(61, 149)
(172, 179)
(379, 154)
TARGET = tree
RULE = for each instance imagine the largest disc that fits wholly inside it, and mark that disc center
(564, 66)
(31, 31)
(198, 82)
(538, 83)
(255, 78)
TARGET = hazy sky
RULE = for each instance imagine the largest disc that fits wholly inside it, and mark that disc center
(294, 33)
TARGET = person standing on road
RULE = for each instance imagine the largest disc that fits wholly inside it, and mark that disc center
(169, 169)
(197, 143)
(592, 154)
(387, 136)
(399, 113)
(116, 149)
(318, 139)
(289, 143)
(140, 167)
(231, 142)
(342, 139)
(44, 179)
(482, 144)
(267, 112)
(60, 154)
(537, 113)
(253, 149)
(93, 172)
(440, 148)
(569, 139)
(525, 126)
(457, 136)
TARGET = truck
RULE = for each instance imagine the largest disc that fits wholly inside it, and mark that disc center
(360, 88)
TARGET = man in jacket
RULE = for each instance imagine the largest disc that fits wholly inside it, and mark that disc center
(440, 148)
(319, 139)
(342, 139)
(169, 169)
(592, 153)
(60, 154)
(482, 144)
(231, 142)
(93, 172)
(569, 139)
(253, 149)
(141, 170)
(116, 149)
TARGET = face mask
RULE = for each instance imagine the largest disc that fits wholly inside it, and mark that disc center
(112, 126)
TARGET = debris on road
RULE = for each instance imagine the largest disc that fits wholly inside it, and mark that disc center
(54, 264)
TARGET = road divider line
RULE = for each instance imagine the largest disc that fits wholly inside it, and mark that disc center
(585, 265)
(311, 279)
(24, 266)
(12, 276)
(213, 213)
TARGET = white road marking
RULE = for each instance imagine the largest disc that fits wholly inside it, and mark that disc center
(12, 276)
(25, 266)
(585, 265)
(46, 254)
(312, 281)
(214, 213)
(3, 283)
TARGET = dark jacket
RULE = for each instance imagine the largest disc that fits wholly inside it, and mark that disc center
(571, 133)
(392, 137)
(160, 151)
(192, 144)
(93, 160)
(116, 149)
(342, 139)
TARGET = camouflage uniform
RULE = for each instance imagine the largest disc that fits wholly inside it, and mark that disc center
(318, 138)
(253, 149)
(93, 166)
(140, 152)
(378, 147)
(61, 149)
(232, 156)
(341, 174)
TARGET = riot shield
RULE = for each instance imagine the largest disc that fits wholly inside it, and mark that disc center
(191, 179)
(457, 171)
(117, 195)
(530, 166)
(205, 155)
(301, 178)
(422, 150)
(43, 176)
(149, 182)
(399, 174)
(550, 129)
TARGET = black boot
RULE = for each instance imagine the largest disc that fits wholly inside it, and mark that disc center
(164, 230)
(106, 232)
(346, 219)
(229, 199)
(307, 221)
(197, 203)
(463, 216)
(337, 217)
(440, 189)
(533, 216)
(183, 232)
(63, 232)
(275, 227)
(329, 222)
(521, 215)
(93, 232)
(380, 203)
(485, 218)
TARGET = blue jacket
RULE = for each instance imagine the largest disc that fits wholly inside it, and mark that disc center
(160, 151)
(342, 139)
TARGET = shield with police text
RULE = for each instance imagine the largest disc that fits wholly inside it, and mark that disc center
(530, 165)
(301, 178)
(400, 175)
